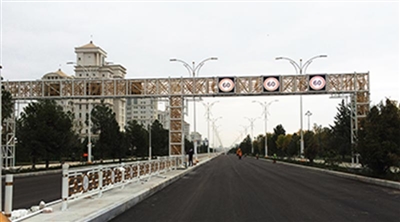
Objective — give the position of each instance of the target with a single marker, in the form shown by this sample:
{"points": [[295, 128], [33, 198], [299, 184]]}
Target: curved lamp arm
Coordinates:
{"points": [[198, 67], [294, 64], [306, 64], [187, 66]]}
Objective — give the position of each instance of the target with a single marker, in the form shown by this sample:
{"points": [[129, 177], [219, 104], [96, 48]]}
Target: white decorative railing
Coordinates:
{"points": [[90, 181]]}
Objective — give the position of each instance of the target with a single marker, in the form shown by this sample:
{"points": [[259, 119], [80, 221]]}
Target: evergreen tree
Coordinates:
{"points": [[341, 131], [245, 145], [159, 138], [278, 130], [282, 143], [6, 104], [109, 143], [44, 131], [294, 146], [137, 138], [379, 138], [310, 146]]}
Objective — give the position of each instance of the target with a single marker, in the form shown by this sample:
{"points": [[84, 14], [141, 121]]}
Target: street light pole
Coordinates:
{"points": [[89, 145], [299, 70], [208, 106], [251, 125], [265, 105], [213, 125], [192, 71], [308, 114]]}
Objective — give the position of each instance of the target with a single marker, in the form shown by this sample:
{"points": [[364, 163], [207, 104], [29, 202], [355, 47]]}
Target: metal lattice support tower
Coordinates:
{"points": [[176, 136], [8, 145]]}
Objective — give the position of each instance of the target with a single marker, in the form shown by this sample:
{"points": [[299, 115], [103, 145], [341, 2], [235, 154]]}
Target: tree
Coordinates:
{"points": [[109, 143], [45, 132], [259, 145], [245, 145], [310, 146], [293, 147], [159, 138], [341, 131], [136, 137], [278, 130], [282, 143], [325, 141], [6, 104], [379, 137]]}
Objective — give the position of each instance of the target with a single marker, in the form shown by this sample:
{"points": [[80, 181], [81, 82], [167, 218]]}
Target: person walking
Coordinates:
{"points": [[239, 153], [190, 153]]}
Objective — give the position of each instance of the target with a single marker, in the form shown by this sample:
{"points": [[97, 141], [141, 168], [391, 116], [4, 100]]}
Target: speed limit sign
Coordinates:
{"points": [[226, 85]]}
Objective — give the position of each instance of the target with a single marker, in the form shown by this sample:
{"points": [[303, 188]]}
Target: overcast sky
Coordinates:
{"points": [[39, 37]]}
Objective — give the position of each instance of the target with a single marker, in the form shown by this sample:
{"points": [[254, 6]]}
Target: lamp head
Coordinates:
{"points": [[213, 58], [172, 60], [277, 58], [71, 63]]}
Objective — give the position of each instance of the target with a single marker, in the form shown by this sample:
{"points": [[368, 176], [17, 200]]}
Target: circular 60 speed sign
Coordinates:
{"points": [[271, 84], [317, 82], [226, 85]]}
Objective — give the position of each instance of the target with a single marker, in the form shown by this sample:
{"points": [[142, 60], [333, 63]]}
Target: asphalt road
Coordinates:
{"points": [[228, 189], [30, 190]]}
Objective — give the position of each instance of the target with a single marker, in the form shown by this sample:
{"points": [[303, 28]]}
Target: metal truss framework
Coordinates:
{"points": [[175, 89]]}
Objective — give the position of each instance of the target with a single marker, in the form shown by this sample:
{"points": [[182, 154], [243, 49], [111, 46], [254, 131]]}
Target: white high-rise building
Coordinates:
{"points": [[91, 64], [143, 110]]}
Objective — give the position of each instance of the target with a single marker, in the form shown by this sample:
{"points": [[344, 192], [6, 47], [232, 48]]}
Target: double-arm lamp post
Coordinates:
{"points": [[208, 107], [251, 126], [300, 69], [192, 71], [265, 105]]}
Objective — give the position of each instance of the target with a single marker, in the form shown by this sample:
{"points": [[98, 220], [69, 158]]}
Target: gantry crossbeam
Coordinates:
{"points": [[356, 84]]}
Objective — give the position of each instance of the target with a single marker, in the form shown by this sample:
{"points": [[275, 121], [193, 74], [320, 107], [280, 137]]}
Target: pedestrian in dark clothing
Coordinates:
{"points": [[190, 153]]}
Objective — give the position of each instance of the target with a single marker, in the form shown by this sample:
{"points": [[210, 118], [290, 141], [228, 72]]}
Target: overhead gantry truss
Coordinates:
{"points": [[356, 84]]}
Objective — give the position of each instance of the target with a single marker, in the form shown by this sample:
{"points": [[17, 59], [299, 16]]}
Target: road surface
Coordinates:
{"points": [[228, 189], [30, 190]]}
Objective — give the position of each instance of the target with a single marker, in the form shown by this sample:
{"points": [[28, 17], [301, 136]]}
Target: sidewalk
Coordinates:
{"points": [[112, 202]]}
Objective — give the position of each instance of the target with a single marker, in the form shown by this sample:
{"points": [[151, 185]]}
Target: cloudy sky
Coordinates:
{"points": [[38, 37]]}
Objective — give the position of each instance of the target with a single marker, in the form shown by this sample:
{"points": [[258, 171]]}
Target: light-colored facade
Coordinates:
{"points": [[143, 110], [91, 64]]}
